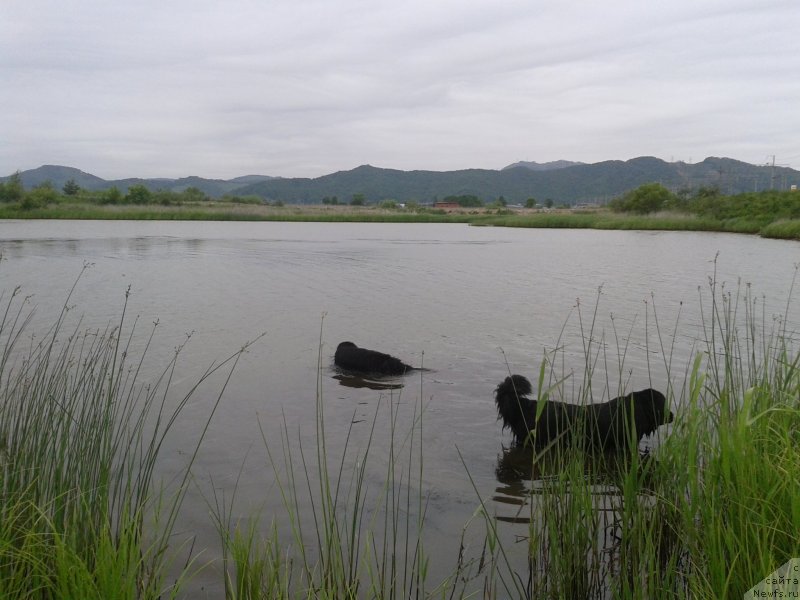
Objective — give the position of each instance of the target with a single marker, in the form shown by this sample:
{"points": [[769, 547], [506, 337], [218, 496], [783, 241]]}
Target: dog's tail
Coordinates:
{"points": [[511, 400]]}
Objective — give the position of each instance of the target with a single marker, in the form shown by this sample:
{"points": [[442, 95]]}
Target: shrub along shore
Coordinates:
{"points": [[772, 214]]}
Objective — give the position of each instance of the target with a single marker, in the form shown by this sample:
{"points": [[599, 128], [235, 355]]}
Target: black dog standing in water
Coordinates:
{"points": [[352, 358], [606, 425]]}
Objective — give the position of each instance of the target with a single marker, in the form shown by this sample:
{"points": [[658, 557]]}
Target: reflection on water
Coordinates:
{"points": [[524, 472], [359, 381], [581, 517]]}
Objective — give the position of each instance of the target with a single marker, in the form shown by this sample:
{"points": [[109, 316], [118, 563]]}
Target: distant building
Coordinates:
{"points": [[446, 205]]}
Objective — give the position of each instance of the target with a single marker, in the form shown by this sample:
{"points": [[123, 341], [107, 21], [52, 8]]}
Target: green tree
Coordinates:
{"points": [[12, 190], [39, 197], [71, 188], [530, 203], [358, 200], [138, 194], [647, 198], [549, 203], [111, 196], [166, 197], [194, 194]]}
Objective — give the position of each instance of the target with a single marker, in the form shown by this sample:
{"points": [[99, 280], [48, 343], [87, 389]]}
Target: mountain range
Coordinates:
{"points": [[561, 181]]}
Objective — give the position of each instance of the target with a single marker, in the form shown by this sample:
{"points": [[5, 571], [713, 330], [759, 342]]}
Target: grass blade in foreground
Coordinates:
{"points": [[79, 439]]}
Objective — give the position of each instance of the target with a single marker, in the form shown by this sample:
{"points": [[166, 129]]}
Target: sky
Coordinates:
{"points": [[303, 88]]}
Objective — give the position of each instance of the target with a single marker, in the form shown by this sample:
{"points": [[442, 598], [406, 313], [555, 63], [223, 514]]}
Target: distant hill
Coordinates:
{"points": [[579, 183], [58, 176], [244, 179], [548, 166], [561, 181]]}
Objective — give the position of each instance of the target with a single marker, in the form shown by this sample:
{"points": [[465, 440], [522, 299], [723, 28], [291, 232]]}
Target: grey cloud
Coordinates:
{"points": [[301, 88]]}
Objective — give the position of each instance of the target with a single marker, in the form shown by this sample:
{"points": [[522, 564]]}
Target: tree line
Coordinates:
{"points": [[706, 201], [13, 191], [766, 205]]}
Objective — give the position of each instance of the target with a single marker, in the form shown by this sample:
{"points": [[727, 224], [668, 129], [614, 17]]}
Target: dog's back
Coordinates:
{"points": [[352, 358], [601, 426], [627, 419]]}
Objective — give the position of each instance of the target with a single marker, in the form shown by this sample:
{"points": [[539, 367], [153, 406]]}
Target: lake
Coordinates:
{"points": [[468, 303]]}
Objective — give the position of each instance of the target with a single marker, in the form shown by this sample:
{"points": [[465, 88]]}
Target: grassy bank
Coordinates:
{"points": [[209, 211], [651, 206], [663, 221], [556, 219], [709, 513]]}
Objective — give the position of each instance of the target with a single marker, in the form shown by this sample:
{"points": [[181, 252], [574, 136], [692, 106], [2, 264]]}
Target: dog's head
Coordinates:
{"points": [[511, 400], [650, 411], [345, 345], [517, 384]]}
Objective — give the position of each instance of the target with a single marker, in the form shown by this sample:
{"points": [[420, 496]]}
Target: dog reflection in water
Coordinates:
{"points": [[522, 471], [358, 381]]}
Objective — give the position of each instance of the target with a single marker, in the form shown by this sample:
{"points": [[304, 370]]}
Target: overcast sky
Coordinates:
{"points": [[300, 88]]}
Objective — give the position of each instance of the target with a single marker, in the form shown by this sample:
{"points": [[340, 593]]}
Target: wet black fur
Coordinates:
{"points": [[605, 426], [352, 358]]}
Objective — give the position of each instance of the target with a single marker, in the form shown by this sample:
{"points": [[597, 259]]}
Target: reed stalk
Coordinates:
{"points": [[80, 434]]}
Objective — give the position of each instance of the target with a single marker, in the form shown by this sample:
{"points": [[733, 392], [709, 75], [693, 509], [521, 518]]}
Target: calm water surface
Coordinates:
{"points": [[470, 303]]}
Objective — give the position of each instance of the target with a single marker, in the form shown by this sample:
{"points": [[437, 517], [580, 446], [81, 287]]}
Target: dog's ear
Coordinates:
{"points": [[520, 385]]}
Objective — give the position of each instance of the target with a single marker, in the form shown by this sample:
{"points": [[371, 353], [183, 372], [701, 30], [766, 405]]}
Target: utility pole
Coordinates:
{"points": [[772, 174]]}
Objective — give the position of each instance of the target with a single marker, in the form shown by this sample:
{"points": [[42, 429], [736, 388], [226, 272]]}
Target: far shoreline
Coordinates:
{"points": [[561, 218]]}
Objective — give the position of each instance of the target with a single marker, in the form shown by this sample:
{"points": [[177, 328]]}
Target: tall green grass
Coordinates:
{"points": [[228, 212], [714, 509], [81, 515], [785, 229], [603, 219]]}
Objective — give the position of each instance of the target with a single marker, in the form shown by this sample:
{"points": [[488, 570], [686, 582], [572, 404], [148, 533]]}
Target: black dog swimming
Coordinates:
{"points": [[605, 426], [352, 358]]}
